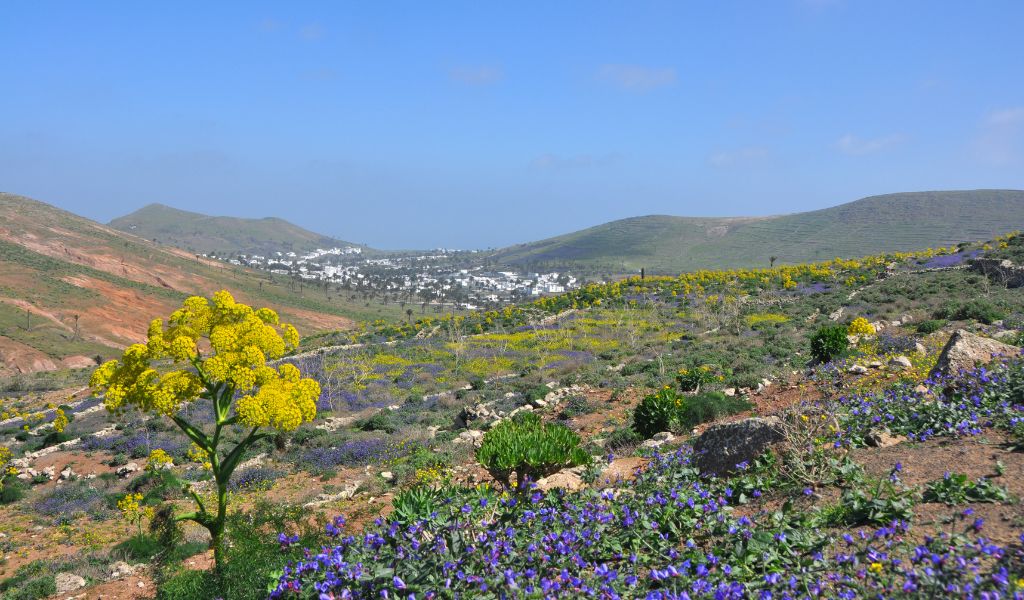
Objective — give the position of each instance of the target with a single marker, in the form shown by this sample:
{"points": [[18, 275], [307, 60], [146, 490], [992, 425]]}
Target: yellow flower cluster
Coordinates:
{"points": [[198, 455], [159, 459], [860, 326], [133, 511], [283, 402], [60, 421], [6, 468], [431, 475], [242, 340]]}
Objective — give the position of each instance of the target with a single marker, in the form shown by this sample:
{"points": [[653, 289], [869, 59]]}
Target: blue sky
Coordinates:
{"points": [[480, 124]]}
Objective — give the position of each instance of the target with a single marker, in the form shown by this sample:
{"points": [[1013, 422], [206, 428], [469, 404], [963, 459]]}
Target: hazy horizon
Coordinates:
{"points": [[470, 127]]}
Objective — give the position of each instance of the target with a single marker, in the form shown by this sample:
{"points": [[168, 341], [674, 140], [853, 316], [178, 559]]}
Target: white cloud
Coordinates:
{"points": [[476, 75], [637, 78], [1007, 116], [856, 146], [1000, 142], [741, 156]]}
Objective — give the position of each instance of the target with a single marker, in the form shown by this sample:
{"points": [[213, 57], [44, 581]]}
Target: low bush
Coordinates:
{"points": [[11, 492], [829, 343], [656, 412], [71, 500], [530, 448], [258, 477], [691, 380], [382, 421], [977, 309], [576, 406], [896, 344], [622, 437], [931, 326], [708, 406]]}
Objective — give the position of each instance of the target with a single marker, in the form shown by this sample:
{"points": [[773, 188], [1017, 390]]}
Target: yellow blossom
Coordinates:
{"points": [[60, 421]]}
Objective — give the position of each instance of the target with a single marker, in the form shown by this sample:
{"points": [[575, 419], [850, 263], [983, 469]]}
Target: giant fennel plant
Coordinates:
{"points": [[215, 350]]}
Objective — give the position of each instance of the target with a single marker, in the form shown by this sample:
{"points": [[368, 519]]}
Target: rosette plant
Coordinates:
{"points": [[214, 350], [530, 448]]}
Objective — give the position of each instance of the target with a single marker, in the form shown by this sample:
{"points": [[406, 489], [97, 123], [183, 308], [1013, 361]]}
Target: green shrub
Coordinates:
{"points": [[12, 492], [33, 589], [622, 437], [829, 343], [656, 412], [709, 406], [976, 309], [576, 406], [382, 421], [926, 327], [691, 380], [530, 448]]}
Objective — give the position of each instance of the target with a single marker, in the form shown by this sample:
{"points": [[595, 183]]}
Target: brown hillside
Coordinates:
{"points": [[55, 265]]}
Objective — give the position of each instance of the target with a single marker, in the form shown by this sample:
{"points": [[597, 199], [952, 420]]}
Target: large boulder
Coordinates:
{"points": [[719, 449], [966, 350]]}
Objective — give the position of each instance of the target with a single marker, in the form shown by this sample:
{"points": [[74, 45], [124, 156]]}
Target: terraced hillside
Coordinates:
{"points": [[669, 245], [72, 289], [197, 232]]}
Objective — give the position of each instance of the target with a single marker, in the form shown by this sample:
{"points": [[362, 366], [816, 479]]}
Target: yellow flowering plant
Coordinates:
{"points": [[860, 326], [134, 511], [220, 349], [6, 468], [159, 460], [60, 421]]}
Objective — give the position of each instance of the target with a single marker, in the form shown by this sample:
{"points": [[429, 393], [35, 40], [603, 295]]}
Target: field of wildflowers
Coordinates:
{"points": [[809, 522]]}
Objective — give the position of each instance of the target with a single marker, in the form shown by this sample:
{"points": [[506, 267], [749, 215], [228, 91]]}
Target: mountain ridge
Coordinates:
{"points": [[672, 244], [202, 233]]}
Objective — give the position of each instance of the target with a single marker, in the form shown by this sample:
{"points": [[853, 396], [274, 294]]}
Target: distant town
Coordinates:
{"points": [[440, 277]]}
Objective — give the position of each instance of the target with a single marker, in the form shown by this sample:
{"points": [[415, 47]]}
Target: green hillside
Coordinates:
{"points": [[202, 233], [892, 222]]}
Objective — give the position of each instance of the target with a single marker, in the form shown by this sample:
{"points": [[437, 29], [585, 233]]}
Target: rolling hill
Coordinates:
{"points": [[669, 245], [72, 289], [200, 233]]}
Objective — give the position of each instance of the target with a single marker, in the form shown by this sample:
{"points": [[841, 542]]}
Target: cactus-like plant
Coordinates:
{"points": [[529, 448]]}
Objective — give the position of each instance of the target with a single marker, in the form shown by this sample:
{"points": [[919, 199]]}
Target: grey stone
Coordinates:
{"points": [[966, 350], [900, 362], [68, 582], [858, 369], [883, 439], [719, 449], [127, 470], [565, 480]]}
